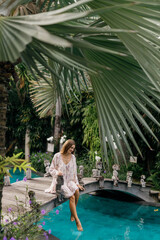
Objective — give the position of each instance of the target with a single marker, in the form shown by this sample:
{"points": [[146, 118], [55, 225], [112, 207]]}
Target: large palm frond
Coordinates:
{"points": [[128, 91], [122, 95], [45, 94], [145, 43], [122, 89]]}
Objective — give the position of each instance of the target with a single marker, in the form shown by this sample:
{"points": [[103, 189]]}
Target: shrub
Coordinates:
{"points": [[26, 225], [37, 160], [87, 164], [137, 170], [22, 114], [155, 180], [91, 129], [19, 150]]}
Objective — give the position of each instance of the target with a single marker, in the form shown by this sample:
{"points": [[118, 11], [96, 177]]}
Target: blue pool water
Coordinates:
{"points": [[19, 175], [105, 219]]}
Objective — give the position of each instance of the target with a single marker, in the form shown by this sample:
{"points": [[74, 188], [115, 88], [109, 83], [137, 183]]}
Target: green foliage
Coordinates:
{"points": [[155, 180], [21, 114], [157, 165], [37, 160], [137, 170], [149, 155], [149, 164], [18, 150], [15, 162], [122, 173], [81, 124], [25, 226], [84, 160], [71, 121], [91, 129], [107, 174]]}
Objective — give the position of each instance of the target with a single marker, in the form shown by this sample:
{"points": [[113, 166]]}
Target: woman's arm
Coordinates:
{"points": [[76, 178]]}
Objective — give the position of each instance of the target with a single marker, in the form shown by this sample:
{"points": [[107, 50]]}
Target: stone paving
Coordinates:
{"points": [[18, 189], [38, 185], [48, 201]]}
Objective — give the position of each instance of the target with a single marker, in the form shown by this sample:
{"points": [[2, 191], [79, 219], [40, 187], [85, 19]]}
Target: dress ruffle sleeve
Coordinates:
{"points": [[75, 171], [53, 170]]}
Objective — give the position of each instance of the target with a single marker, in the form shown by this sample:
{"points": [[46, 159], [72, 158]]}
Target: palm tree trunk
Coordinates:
{"points": [[5, 73]]}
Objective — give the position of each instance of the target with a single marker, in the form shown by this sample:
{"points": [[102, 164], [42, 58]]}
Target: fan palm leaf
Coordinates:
{"points": [[120, 50], [45, 94]]}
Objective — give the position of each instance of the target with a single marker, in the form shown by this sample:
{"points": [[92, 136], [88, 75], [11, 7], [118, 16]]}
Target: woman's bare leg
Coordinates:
{"points": [[76, 201], [76, 196], [72, 206]]}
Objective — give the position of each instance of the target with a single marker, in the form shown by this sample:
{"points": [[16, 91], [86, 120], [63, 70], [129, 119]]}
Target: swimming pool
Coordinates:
{"points": [[18, 176], [105, 219]]}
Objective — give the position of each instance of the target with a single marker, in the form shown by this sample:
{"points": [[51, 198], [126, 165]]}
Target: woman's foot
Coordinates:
{"points": [[79, 226], [72, 219]]}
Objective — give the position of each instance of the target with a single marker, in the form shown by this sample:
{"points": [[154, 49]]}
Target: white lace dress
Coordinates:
{"points": [[69, 175]]}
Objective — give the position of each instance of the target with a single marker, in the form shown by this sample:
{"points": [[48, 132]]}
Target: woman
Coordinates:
{"points": [[64, 163]]}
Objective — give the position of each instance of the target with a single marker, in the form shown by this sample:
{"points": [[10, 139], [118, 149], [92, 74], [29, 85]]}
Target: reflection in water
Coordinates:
{"points": [[141, 223], [78, 234], [126, 234]]}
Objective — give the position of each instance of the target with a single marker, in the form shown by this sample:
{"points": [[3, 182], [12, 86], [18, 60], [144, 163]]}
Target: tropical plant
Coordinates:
{"points": [[46, 97], [117, 42], [91, 129], [15, 161], [37, 160], [5, 163], [122, 90], [149, 158], [26, 224], [137, 169], [154, 179], [21, 114], [83, 159], [154, 175], [72, 118]]}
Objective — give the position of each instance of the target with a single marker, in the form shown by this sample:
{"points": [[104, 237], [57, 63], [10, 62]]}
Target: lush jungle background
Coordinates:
{"points": [[87, 69], [79, 121]]}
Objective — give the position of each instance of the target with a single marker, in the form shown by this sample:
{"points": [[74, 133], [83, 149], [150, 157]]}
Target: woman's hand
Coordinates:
{"points": [[60, 173], [81, 188]]}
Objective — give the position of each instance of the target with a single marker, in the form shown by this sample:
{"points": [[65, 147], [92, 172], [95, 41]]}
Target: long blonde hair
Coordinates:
{"points": [[69, 143]]}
